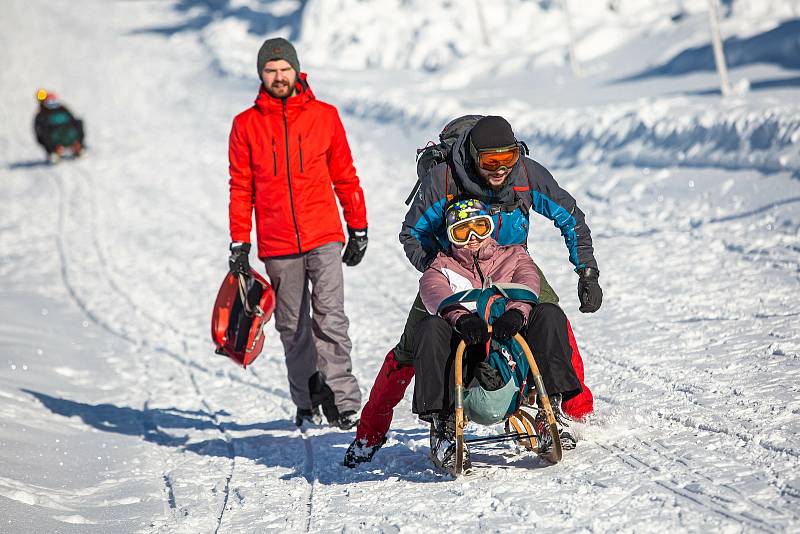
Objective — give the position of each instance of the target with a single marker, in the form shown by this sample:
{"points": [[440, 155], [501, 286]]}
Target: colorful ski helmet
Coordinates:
{"points": [[467, 217], [45, 97]]}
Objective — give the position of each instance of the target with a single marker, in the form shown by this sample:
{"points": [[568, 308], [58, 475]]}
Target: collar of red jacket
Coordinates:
{"points": [[269, 104], [464, 256]]}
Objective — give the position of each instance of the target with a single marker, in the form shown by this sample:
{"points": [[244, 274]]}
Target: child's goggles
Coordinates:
{"points": [[481, 226], [494, 159]]}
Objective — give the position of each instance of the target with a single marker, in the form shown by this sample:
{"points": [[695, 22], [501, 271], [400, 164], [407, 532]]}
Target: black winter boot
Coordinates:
{"points": [[443, 442], [359, 452], [307, 416]]}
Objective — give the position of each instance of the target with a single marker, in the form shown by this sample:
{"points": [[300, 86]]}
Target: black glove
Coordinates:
{"points": [[238, 261], [473, 329], [508, 324], [589, 292], [356, 247]]}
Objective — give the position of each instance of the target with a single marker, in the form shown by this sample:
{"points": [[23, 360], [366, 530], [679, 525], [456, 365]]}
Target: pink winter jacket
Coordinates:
{"points": [[456, 271]]}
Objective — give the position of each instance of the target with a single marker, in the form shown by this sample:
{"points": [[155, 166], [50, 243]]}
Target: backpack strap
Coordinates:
{"points": [[447, 183], [508, 207]]}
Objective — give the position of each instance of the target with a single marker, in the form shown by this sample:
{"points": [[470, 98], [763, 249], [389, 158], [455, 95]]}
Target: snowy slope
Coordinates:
{"points": [[116, 415]]}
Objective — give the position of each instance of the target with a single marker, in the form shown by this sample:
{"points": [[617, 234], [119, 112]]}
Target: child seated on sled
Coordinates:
{"points": [[475, 260], [57, 130]]}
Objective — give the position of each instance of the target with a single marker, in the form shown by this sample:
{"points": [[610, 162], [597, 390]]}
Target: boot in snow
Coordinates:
{"points": [[307, 416], [359, 452], [345, 421], [443, 442], [568, 440], [322, 395]]}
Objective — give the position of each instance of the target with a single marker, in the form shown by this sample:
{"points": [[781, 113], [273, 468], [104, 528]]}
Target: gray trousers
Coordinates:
{"points": [[312, 324]]}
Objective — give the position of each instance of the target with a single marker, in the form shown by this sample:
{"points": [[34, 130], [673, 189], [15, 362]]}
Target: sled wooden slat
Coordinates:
{"points": [[523, 424], [555, 447], [458, 468]]}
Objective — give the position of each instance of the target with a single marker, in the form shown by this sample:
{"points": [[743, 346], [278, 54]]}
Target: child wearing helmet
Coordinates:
{"points": [[476, 260], [57, 130]]}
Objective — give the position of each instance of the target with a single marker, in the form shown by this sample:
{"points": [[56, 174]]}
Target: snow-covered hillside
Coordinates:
{"points": [[116, 416]]}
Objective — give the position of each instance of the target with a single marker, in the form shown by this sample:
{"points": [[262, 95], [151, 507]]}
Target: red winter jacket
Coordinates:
{"points": [[288, 158]]}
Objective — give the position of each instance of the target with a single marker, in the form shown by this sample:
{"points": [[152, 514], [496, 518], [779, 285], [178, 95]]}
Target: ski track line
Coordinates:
{"points": [[311, 478], [169, 504], [108, 268], [188, 365], [692, 471], [646, 377], [139, 344], [665, 453], [701, 501]]}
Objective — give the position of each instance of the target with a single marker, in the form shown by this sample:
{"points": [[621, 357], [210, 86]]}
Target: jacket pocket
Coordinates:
{"points": [[300, 145], [274, 158]]}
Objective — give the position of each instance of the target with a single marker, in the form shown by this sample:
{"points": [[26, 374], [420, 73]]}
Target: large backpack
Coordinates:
{"points": [[433, 154]]}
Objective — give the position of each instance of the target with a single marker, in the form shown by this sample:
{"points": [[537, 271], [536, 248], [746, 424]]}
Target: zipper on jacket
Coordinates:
{"points": [[478, 267], [289, 177], [274, 158], [300, 144]]}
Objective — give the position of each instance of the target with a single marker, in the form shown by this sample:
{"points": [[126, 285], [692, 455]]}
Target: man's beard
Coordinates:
{"points": [[280, 90], [499, 186]]}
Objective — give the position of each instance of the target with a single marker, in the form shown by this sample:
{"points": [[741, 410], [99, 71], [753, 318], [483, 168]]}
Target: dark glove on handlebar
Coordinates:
{"points": [[473, 329], [356, 247], [508, 324], [589, 292], [238, 262]]}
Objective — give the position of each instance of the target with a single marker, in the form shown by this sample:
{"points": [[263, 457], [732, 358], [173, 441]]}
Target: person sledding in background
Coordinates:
{"points": [[56, 128], [486, 162], [473, 261]]}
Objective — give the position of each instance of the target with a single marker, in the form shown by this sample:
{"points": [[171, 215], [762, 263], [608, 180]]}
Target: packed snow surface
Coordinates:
{"points": [[116, 416]]}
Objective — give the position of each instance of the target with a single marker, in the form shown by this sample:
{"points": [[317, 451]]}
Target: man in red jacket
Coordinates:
{"points": [[290, 161]]}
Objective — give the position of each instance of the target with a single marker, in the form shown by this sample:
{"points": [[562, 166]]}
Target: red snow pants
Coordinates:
{"points": [[393, 379]]}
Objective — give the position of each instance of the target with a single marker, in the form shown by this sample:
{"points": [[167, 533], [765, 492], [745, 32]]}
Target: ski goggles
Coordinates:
{"points": [[480, 226], [495, 159]]}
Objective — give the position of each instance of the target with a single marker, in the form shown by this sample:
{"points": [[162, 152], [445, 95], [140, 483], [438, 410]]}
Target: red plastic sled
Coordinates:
{"points": [[244, 305]]}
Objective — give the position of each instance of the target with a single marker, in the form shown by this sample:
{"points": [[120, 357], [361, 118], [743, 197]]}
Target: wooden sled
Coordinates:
{"points": [[522, 422]]}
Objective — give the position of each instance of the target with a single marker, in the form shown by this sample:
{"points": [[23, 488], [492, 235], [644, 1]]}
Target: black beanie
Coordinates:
{"points": [[277, 48], [492, 132]]}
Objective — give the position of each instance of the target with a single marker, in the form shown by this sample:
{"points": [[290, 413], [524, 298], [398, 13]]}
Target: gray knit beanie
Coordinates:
{"points": [[277, 48]]}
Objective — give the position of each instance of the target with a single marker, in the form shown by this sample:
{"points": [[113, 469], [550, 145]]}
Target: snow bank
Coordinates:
{"points": [[436, 35], [443, 47], [663, 132]]}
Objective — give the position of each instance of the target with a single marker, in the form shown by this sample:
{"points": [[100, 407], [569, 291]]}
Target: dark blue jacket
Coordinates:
{"points": [[529, 186]]}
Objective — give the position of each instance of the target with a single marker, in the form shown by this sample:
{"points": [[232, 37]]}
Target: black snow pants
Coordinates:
{"points": [[434, 349]]}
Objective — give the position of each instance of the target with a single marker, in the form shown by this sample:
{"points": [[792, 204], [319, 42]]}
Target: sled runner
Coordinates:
{"points": [[512, 403], [244, 305]]}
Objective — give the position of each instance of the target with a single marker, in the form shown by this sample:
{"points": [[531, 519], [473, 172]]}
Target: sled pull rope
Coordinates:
{"points": [[243, 295]]}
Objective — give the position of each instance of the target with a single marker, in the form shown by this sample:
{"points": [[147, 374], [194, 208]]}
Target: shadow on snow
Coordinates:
{"points": [[273, 447], [779, 46], [270, 16]]}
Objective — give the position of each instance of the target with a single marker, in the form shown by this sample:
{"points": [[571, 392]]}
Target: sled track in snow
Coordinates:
{"points": [[696, 499], [647, 377], [692, 474], [659, 377], [311, 478], [169, 506], [665, 454], [188, 365], [119, 333]]}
